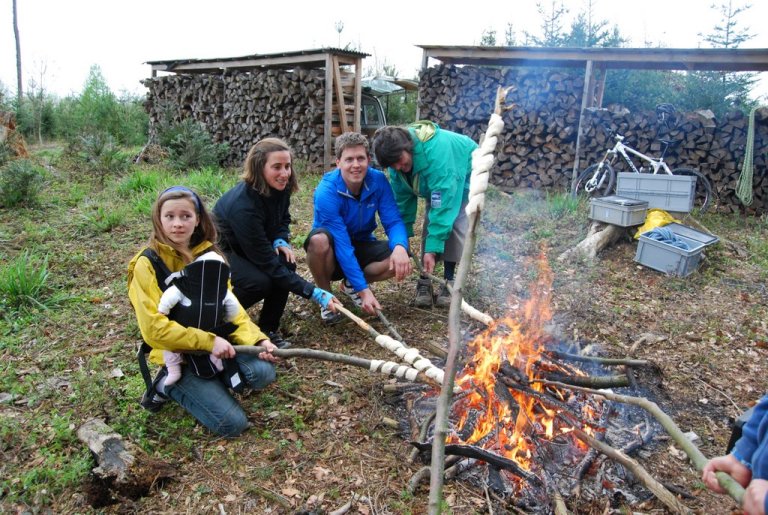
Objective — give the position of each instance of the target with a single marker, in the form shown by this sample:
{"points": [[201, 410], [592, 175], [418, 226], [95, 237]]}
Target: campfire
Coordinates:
{"points": [[512, 430]]}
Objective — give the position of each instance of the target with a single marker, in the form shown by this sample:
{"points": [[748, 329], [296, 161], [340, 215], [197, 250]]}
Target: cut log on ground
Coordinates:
{"points": [[124, 471], [600, 236]]}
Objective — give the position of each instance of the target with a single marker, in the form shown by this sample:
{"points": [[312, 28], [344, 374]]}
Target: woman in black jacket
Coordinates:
{"points": [[253, 222]]}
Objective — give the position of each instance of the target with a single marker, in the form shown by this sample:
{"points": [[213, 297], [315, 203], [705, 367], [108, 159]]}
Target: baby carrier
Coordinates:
{"points": [[204, 283]]}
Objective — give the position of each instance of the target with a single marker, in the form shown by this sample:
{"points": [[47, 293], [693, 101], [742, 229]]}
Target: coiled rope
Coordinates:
{"points": [[744, 187]]}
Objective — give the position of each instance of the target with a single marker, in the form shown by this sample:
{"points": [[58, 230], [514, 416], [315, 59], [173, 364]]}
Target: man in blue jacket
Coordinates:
{"points": [[748, 462], [341, 244]]}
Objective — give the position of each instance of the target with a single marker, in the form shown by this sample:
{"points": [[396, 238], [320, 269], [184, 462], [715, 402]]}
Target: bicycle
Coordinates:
{"points": [[599, 180]]}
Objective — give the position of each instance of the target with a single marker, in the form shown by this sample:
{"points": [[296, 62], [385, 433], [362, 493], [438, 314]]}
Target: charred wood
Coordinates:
{"points": [[469, 451]]}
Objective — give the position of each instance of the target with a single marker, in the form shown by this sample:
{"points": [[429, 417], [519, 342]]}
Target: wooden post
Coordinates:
{"points": [[328, 117], [584, 102], [358, 93]]}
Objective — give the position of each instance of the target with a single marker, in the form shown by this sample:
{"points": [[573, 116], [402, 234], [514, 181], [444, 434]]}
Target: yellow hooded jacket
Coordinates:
{"points": [[162, 333]]}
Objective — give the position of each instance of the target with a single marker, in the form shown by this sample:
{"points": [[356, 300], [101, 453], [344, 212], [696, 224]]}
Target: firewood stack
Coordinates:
{"points": [[240, 108], [538, 145]]}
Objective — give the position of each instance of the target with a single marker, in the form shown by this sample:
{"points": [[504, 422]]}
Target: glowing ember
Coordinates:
{"points": [[491, 420]]}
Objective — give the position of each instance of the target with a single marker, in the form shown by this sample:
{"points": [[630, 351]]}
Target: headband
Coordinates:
{"points": [[184, 189]]}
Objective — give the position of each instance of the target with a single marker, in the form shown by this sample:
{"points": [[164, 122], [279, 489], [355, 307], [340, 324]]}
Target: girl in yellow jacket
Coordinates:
{"points": [[182, 230]]}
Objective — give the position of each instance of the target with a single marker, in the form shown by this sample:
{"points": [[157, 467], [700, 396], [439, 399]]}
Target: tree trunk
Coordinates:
{"points": [[18, 54]]}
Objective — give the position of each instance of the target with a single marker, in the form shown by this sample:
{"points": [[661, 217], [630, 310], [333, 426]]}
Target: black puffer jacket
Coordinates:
{"points": [[248, 223]]}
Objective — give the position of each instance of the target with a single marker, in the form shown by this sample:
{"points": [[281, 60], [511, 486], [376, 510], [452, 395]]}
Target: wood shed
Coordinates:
{"points": [[555, 129], [305, 97]]}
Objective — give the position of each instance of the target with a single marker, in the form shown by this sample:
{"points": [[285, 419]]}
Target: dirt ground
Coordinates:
{"points": [[706, 333], [322, 438]]}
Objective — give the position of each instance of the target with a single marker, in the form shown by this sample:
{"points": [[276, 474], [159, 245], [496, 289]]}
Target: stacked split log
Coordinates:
{"points": [[539, 142], [239, 108]]}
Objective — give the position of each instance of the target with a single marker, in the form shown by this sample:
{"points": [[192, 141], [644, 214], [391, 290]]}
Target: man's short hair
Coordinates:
{"points": [[349, 140], [389, 143]]}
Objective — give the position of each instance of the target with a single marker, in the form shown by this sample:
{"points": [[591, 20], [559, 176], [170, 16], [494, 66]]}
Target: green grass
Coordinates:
{"points": [[24, 283]]}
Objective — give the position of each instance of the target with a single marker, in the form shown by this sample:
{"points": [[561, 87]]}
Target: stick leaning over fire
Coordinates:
{"points": [[694, 454], [471, 311], [482, 161]]}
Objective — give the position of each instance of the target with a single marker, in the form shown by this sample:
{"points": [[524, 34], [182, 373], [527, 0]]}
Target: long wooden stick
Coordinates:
{"points": [[659, 490], [482, 160], [374, 365], [698, 459], [390, 327]]}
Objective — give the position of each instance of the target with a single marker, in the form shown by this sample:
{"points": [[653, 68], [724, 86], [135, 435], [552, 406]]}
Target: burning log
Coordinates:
{"points": [[603, 361], [374, 365], [471, 451], [591, 381]]}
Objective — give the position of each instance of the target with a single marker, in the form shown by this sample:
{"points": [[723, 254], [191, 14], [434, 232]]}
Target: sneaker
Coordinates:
{"points": [[423, 293], [153, 400], [277, 338], [443, 299], [350, 292], [329, 317]]}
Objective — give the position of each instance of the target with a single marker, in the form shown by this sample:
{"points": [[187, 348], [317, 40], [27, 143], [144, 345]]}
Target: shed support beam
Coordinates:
{"points": [[586, 97]]}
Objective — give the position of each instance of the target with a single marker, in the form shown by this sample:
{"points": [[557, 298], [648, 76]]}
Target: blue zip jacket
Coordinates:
{"points": [[752, 447], [348, 219]]}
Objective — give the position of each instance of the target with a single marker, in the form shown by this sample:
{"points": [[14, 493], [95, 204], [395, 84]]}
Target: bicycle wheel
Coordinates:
{"points": [[703, 193], [596, 181]]}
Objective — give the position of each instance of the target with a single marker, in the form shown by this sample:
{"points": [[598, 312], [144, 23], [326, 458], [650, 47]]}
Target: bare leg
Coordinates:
{"points": [[378, 271], [320, 260]]}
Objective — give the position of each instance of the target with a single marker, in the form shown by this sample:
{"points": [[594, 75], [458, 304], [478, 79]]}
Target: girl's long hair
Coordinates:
{"points": [[205, 230], [253, 170]]}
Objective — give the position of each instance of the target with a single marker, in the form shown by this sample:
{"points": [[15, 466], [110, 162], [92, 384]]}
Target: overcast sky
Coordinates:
{"points": [[66, 37]]}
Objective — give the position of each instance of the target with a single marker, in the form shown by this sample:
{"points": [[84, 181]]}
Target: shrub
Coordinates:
{"points": [[189, 145], [101, 155], [20, 182], [5, 152], [23, 281]]}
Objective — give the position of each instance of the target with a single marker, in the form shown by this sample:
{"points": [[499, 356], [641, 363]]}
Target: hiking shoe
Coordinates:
{"points": [[423, 293], [443, 299], [329, 317], [277, 338], [350, 292]]}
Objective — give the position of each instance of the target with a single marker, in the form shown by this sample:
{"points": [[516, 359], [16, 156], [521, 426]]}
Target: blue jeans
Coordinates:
{"points": [[212, 404]]}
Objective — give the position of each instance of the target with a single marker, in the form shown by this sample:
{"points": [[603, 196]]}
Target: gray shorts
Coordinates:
{"points": [[454, 245]]}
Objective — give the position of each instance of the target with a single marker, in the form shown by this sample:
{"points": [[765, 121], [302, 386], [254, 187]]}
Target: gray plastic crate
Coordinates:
{"points": [[668, 192], [670, 259], [621, 211]]}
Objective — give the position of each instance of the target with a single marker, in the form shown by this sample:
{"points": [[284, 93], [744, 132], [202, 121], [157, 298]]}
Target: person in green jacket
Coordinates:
{"points": [[435, 164]]}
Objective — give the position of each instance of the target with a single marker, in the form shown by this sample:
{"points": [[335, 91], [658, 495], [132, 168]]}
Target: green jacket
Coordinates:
{"points": [[442, 164]]}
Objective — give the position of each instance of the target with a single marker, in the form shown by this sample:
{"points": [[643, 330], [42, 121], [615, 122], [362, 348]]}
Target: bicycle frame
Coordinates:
{"points": [[623, 150]]}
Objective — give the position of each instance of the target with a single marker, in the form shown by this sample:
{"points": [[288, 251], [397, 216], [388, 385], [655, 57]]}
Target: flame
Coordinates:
{"points": [[489, 419]]}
